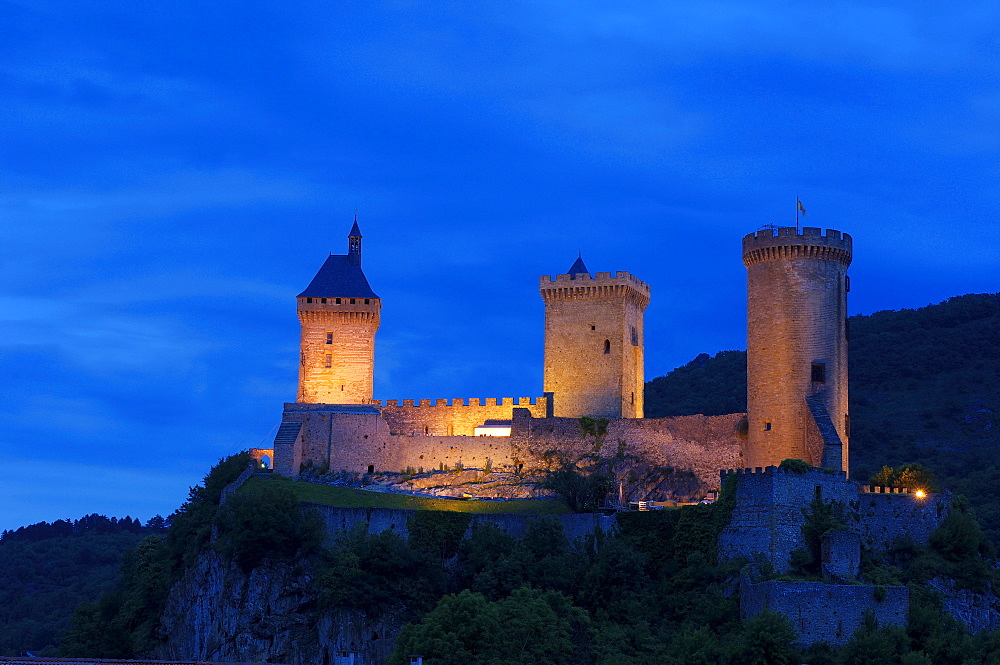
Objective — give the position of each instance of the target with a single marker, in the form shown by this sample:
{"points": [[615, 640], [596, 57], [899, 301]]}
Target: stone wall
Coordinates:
{"points": [[700, 444], [769, 513], [884, 518], [825, 612], [359, 438], [455, 417], [377, 520]]}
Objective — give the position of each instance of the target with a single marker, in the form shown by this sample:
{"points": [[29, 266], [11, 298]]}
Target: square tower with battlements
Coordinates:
{"points": [[594, 343]]}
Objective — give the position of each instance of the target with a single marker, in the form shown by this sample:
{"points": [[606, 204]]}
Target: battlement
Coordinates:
{"points": [[788, 242], [583, 286], [597, 279], [776, 470], [460, 401]]}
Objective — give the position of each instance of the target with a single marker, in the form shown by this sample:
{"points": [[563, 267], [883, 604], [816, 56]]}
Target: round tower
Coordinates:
{"points": [[339, 314], [797, 288], [594, 343]]}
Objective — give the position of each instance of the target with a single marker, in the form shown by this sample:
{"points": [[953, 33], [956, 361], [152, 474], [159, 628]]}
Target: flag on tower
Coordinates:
{"points": [[801, 208]]}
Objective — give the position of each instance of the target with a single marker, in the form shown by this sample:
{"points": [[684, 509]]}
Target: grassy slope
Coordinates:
{"points": [[347, 497]]}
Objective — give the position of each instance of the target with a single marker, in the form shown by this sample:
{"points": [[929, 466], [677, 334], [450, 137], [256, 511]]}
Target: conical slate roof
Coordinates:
{"points": [[355, 230], [578, 267]]}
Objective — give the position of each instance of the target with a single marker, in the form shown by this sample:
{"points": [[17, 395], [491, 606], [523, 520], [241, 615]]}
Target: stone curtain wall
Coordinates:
{"points": [[825, 612], [457, 417], [354, 441], [701, 444]]}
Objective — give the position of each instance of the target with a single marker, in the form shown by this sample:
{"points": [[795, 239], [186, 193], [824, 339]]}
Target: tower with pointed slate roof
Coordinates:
{"points": [[594, 343], [339, 314]]}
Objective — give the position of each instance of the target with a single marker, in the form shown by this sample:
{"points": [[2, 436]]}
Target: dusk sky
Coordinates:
{"points": [[172, 174]]}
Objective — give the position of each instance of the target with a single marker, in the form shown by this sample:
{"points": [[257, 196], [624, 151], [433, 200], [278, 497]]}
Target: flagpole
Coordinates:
{"points": [[796, 213]]}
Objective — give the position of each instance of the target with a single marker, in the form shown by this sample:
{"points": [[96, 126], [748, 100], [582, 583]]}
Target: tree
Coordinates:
{"points": [[265, 521], [767, 639], [531, 627], [582, 493]]}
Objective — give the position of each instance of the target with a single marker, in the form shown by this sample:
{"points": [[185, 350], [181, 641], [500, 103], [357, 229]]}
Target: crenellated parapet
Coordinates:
{"points": [[788, 242], [775, 470], [460, 401], [584, 286]]}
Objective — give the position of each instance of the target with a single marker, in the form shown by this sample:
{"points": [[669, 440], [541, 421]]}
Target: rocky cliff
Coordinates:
{"points": [[217, 613]]}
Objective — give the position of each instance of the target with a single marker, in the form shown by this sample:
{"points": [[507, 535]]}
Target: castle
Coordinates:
{"points": [[590, 414], [593, 367]]}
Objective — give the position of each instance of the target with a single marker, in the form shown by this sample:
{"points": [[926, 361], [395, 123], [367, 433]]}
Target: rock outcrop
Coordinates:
{"points": [[217, 613]]}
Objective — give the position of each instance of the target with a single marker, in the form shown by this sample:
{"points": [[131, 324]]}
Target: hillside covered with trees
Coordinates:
{"points": [[49, 568], [924, 388]]}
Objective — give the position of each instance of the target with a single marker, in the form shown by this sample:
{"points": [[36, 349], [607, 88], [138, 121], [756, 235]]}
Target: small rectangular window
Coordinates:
{"points": [[309, 299], [329, 338], [352, 301], [819, 372], [323, 300], [366, 301], [328, 362], [847, 284], [847, 425], [767, 425], [593, 327], [635, 337]]}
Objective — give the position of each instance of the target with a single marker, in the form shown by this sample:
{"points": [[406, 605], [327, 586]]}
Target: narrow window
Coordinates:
{"points": [[338, 301], [371, 468], [342, 388], [352, 301], [633, 398], [819, 372], [593, 327], [309, 299], [607, 346], [329, 338], [847, 284], [328, 362], [767, 425], [366, 301], [635, 337], [847, 425], [323, 300]]}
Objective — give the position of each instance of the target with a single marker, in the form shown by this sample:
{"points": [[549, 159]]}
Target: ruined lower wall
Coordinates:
{"points": [[377, 520], [884, 518], [769, 513], [457, 417], [825, 612], [701, 444]]}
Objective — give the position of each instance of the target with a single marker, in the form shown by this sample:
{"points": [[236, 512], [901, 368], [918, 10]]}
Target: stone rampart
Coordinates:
{"points": [[377, 520], [771, 505], [884, 518], [825, 612]]}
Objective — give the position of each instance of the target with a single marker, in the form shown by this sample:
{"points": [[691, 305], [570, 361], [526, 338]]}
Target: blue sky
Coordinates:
{"points": [[172, 174]]}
